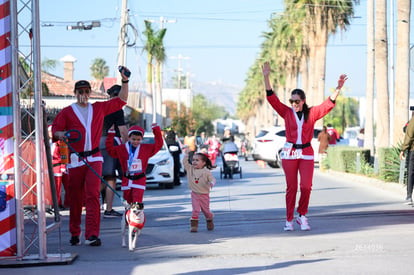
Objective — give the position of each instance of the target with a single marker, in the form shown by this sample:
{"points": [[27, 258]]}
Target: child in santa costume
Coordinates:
{"points": [[200, 181], [134, 156], [297, 155]]}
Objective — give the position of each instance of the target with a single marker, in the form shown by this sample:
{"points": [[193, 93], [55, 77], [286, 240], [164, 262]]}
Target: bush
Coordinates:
{"points": [[389, 164], [344, 158]]}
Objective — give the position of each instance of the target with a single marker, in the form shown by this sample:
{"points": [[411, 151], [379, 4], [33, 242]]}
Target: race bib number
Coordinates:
{"points": [[287, 148], [136, 166]]}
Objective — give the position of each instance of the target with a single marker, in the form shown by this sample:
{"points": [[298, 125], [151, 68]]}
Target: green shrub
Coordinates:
{"points": [[389, 164], [344, 158]]}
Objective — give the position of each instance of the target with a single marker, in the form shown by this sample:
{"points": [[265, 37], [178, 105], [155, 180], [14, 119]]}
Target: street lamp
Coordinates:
{"points": [[82, 26]]}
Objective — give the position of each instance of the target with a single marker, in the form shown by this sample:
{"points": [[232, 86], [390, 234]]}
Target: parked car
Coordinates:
{"points": [[160, 169], [269, 142]]}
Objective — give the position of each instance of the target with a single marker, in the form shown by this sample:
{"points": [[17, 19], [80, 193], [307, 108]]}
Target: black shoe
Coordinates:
{"points": [[93, 241], [75, 240], [111, 214]]}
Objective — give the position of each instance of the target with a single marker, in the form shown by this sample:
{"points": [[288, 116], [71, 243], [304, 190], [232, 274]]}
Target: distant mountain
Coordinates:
{"points": [[219, 93]]}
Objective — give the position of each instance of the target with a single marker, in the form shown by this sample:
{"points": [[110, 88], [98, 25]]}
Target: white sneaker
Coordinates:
{"points": [[303, 222], [288, 226]]}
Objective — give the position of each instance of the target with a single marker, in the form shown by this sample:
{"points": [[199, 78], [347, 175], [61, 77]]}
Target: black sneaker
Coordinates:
{"points": [[111, 214], [93, 241], [408, 201], [75, 240]]}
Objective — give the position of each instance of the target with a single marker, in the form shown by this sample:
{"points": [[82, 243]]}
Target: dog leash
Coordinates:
{"points": [[69, 140]]}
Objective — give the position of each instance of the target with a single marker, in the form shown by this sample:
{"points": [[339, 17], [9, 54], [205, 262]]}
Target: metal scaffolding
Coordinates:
{"points": [[32, 228]]}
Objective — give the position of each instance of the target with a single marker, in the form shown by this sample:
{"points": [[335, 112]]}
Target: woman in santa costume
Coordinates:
{"points": [[134, 156], [297, 155], [84, 184]]}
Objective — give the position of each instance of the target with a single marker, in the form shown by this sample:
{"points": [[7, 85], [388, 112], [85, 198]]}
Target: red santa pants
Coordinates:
{"points": [[200, 201], [134, 195], [291, 168], [84, 188]]}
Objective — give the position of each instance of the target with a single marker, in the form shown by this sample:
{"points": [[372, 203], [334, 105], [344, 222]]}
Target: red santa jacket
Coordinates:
{"points": [[70, 118], [58, 167], [143, 152], [297, 130]]}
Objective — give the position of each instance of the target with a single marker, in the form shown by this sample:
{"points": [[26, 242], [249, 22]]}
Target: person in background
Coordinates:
{"points": [[408, 145], [213, 148], [110, 165], [298, 156], [134, 156], [87, 119], [323, 138], [334, 135], [175, 150], [227, 142], [200, 181], [190, 142], [201, 142], [360, 138], [59, 170]]}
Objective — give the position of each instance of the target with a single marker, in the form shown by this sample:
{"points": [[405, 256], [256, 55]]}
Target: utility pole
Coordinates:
{"points": [[122, 35], [179, 57]]}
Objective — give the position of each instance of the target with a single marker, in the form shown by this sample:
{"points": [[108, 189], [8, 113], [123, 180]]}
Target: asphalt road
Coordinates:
{"points": [[359, 226]]}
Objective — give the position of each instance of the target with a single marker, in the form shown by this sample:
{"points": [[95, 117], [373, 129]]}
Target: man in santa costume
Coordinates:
{"points": [[84, 182]]}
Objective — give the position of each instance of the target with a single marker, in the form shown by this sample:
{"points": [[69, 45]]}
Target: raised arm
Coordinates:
{"points": [[341, 82], [266, 73], [123, 94]]}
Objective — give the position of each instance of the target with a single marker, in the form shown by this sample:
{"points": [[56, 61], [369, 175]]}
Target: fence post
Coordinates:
{"points": [[358, 162], [402, 172]]}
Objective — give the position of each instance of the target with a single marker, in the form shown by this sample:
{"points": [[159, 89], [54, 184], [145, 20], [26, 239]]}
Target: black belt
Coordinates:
{"points": [[301, 146], [134, 177], [88, 153]]}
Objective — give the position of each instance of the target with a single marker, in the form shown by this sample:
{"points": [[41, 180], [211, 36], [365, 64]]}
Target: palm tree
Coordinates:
{"points": [[149, 47], [48, 64], [402, 70], [99, 69], [381, 72], [160, 56]]}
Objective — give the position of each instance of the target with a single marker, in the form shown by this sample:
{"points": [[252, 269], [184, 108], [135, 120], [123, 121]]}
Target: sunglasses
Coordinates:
{"points": [[85, 90], [296, 101]]}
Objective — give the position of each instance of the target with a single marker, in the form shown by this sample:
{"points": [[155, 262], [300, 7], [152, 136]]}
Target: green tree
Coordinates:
{"points": [[345, 114], [49, 64], [204, 113], [99, 69]]}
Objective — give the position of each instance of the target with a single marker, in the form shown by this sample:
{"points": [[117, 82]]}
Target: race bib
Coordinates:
{"points": [[287, 148], [136, 166]]}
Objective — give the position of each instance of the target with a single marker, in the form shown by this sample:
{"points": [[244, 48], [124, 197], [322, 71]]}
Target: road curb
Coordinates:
{"points": [[394, 187]]}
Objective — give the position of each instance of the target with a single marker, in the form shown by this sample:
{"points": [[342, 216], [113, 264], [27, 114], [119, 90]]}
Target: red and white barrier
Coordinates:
{"points": [[7, 201]]}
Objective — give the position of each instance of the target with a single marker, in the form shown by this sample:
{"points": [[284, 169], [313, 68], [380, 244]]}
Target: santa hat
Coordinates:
{"points": [[136, 129]]}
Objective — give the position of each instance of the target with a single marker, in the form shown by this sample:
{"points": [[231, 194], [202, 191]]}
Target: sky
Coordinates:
{"points": [[220, 39]]}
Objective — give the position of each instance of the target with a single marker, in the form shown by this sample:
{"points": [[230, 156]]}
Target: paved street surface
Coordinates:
{"points": [[359, 226]]}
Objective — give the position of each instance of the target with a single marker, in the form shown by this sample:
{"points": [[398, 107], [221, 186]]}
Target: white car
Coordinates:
{"points": [[160, 169], [268, 145]]}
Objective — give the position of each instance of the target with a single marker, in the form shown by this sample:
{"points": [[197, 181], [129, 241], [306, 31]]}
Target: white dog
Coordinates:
{"points": [[134, 217]]}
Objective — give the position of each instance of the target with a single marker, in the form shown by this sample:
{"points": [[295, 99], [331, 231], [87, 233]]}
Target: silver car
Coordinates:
{"points": [[160, 169], [269, 142]]}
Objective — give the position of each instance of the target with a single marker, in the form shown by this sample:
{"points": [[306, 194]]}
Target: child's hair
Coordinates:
{"points": [[205, 158]]}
